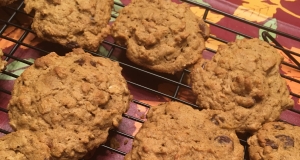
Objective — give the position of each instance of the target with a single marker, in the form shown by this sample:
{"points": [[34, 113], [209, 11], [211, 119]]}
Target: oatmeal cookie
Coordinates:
{"points": [[23, 145], [243, 80], [74, 99], [176, 131], [2, 62], [275, 140], [72, 23], [160, 35], [6, 2]]}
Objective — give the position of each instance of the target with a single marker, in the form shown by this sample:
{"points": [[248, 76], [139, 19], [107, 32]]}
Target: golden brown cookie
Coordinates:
{"points": [[23, 145], [176, 131], [2, 62], [243, 80], [72, 23], [275, 140], [74, 99], [6, 2], [160, 35]]}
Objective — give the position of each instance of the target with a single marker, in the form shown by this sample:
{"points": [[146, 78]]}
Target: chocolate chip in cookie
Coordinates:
{"points": [[275, 140], [70, 100], [176, 131]]}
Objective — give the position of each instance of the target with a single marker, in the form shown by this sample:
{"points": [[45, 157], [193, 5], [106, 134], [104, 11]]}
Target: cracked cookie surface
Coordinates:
{"points": [[176, 131], [243, 80], [160, 35], [73, 99], [275, 140], [72, 23]]}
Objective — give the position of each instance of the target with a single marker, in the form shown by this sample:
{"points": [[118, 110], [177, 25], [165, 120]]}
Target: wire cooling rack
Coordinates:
{"points": [[14, 17]]}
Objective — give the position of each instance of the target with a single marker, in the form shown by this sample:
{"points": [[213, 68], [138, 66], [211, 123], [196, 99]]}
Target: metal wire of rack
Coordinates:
{"points": [[12, 20]]}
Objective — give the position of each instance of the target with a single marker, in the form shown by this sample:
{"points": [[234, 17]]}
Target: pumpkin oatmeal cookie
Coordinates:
{"points": [[244, 82], [73, 100], [160, 35]]}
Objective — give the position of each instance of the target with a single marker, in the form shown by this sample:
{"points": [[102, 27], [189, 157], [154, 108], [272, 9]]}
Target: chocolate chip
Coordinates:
{"points": [[204, 29], [258, 98], [222, 119], [223, 139], [72, 70], [72, 44], [288, 141], [80, 61], [278, 127], [84, 79], [93, 63], [271, 143], [214, 120]]}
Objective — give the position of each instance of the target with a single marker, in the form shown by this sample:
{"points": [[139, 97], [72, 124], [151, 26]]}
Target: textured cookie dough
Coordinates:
{"points": [[177, 131], [71, 23], [275, 140], [243, 80], [2, 62], [23, 145], [160, 35], [74, 99], [6, 2]]}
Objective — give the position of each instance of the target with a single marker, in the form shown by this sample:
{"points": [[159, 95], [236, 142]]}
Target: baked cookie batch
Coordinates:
{"points": [[63, 106]]}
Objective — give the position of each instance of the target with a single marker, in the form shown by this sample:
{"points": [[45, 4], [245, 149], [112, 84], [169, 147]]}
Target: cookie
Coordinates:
{"points": [[160, 35], [275, 140], [6, 2], [72, 23], [74, 99], [2, 62], [23, 145], [243, 80], [176, 131]]}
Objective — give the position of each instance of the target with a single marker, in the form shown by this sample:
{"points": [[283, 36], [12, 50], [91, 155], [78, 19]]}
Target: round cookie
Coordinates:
{"points": [[243, 80], [2, 62], [275, 140], [160, 35], [23, 145], [72, 23], [74, 99], [176, 131], [6, 2]]}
